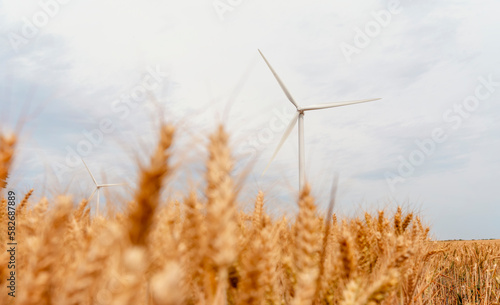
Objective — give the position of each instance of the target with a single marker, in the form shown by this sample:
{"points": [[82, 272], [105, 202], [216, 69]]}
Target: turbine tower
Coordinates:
{"points": [[299, 116], [98, 187]]}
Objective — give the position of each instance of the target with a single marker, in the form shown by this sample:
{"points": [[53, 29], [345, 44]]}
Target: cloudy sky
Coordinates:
{"points": [[92, 78]]}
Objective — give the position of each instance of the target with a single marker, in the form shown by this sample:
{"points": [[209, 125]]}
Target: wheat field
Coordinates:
{"points": [[205, 250]]}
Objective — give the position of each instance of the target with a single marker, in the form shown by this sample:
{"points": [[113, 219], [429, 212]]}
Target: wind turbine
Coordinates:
{"points": [[299, 116], [98, 187]]}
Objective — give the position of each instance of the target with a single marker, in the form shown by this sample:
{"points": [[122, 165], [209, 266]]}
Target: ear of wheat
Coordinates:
{"points": [[7, 146]]}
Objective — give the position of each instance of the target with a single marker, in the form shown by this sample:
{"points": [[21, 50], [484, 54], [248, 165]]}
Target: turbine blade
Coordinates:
{"points": [[113, 184], [283, 139], [95, 182], [337, 104], [282, 85], [91, 196]]}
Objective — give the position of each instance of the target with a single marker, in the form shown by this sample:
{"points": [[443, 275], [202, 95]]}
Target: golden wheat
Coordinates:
{"points": [[205, 250]]}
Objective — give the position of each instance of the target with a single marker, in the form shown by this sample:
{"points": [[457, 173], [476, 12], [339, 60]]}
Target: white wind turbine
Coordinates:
{"points": [[98, 187], [299, 116]]}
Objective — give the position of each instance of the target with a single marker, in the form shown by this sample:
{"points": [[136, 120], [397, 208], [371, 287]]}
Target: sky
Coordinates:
{"points": [[92, 79]]}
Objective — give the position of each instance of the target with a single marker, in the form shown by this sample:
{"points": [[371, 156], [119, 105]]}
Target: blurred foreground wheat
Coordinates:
{"points": [[203, 250]]}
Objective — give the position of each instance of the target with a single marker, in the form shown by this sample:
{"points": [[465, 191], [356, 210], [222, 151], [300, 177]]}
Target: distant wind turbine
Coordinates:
{"points": [[98, 187], [299, 116]]}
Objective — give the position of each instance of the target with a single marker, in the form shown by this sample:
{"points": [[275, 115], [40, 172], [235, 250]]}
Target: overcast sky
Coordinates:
{"points": [[78, 73]]}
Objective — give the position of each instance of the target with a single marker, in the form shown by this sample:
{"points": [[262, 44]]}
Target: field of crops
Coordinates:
{"points": [[204, 250]]}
